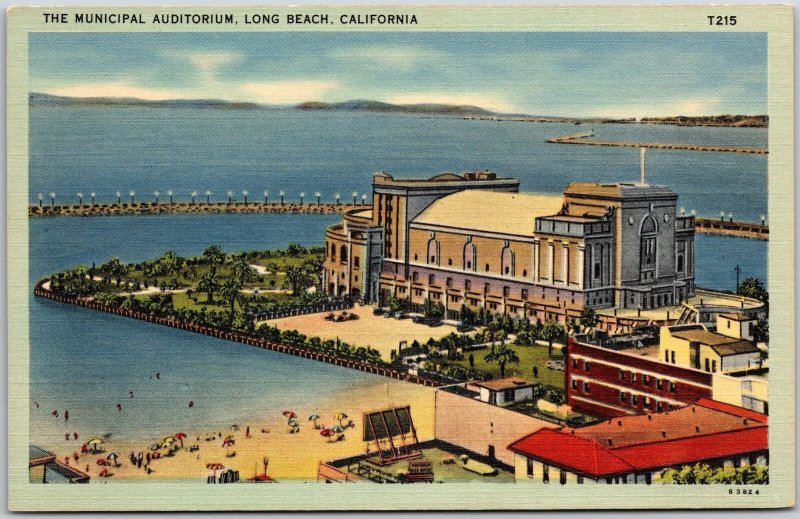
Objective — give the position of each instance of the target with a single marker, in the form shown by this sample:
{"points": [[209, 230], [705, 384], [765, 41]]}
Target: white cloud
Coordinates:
{"points": [[286, 91], [206, 62], [117, 89], [402, 58], [490, 102]]}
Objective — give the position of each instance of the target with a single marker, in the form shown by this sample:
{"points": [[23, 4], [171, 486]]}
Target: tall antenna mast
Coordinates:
{"points": [[641, 161]]}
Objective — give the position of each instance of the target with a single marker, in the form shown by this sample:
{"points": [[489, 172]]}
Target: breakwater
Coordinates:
{"points": [[584, 138], [732, 228], [307, 353], [123, 208]]}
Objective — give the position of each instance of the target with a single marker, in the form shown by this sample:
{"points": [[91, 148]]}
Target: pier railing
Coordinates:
{"points": [[112, 209], [236, 336]]}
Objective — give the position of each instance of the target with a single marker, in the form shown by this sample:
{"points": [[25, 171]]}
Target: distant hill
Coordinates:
{"points": [[379, 106], [741, 121], [366, 105], [40, 99]]}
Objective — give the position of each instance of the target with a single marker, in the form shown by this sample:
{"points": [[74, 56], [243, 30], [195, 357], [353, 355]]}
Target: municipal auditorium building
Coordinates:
{"points": [[473, 239]]}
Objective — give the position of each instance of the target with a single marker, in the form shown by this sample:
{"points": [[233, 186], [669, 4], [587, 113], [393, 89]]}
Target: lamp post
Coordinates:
{"points": [[80, 198], [722, 216], [93, 194], [119, 198], [156, 194], [208, 197], [244, 194], [169, 194], [763, 219], [52, 199], [193, 194], [133, 196], [355, 194], [683, 211], [281, 193], [693, 212], [41, 197], [230, 197], [363, 199], [302, 195], [317, 194], [730, 217], [337, 198], [266, 197]]}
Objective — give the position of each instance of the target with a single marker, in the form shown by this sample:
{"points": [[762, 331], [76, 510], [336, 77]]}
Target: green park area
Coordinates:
{"points": [[530, 357]]}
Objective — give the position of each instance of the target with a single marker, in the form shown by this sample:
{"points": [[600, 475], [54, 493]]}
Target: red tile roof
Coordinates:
{"points": [[566, 450], [578, 450]]}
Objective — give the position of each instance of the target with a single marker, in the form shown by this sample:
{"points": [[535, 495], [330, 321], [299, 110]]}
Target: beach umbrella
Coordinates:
{"points": [[215, 466], [101, 461], [289, 414], [154, 447], [168, 439], [339, 417], [313, 417], [337, 429], [113, 457], [327, 433], [180, 436], [94, 442]]}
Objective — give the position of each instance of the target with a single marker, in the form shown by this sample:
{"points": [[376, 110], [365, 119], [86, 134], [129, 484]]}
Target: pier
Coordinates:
{"points": [[584, 138], [112, 209], [731, 228]]}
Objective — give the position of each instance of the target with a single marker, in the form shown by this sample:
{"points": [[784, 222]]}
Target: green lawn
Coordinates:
{"points": [[529, 356], [181, 300]]}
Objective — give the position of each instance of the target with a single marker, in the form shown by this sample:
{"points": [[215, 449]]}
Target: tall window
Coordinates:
{"points": [[469, 256], [647, 254], [545, 473], [343, 254], [529, 468], [433, 251]]}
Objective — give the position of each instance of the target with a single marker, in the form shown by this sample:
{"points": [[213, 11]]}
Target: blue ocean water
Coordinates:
{"points": [[105, 150], [87, 361]]}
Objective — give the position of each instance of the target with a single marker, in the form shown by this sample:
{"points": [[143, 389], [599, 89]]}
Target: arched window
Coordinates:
{"points": [[648, 249], [433, 252], [507, 261], [469, 256], [333, 251], [343, 254]]}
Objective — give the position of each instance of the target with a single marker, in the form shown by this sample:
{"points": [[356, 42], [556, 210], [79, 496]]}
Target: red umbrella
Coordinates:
{"points": [[289, 414], [326, 432], [102, 462], [180, 436]]}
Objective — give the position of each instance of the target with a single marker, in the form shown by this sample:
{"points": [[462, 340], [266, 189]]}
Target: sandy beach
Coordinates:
{"points": [[292, 456]]}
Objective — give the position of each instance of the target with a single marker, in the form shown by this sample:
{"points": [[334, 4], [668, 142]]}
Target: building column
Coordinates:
{"points": [[550, 262], [565, 263], [536, 260], [581, 266]]}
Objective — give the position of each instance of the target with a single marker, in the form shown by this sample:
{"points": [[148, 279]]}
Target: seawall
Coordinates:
{"points": [[40, 291], [104, 209]]}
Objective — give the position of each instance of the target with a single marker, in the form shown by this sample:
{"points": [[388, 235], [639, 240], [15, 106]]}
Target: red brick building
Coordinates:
{"points": [[605, 382]]}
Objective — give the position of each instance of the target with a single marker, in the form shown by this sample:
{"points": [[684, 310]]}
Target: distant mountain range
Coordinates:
{"points": [[365, 105]]}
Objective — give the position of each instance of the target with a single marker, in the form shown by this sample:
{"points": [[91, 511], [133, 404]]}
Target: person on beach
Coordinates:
{"points": [[55, 413], [74, 436], [75, 456], [247, 431], [119, 407], [158, 375], [36, 404], [66, 436], [84, 449], [191, 403], [66, 415], [131, 392], [66, 460]]}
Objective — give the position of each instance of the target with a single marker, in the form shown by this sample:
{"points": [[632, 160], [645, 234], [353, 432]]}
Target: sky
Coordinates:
{"points": [[560, 74]]}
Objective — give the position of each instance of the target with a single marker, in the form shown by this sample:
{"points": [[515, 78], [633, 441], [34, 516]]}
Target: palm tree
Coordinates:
{"points": [[552, 331], [214, 256], [295, 276], [243, 271], [208, 283], [588, 318], [170, 261], [502, 355], [753, 287], [230, 292]]}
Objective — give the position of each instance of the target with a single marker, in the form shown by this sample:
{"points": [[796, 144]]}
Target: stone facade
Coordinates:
{"points": [[474, 240]]}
